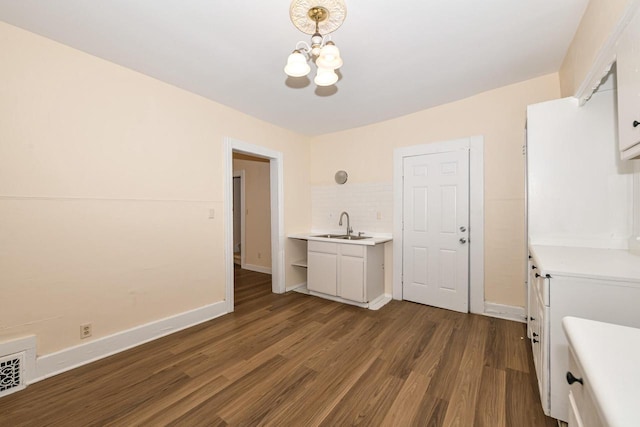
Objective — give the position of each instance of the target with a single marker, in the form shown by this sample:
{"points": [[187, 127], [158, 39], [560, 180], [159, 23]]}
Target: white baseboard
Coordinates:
{"points": [[257, 268], [295, 287], [508, 312], [339, 299], [379, 302], [61, 361], [303, 290]]}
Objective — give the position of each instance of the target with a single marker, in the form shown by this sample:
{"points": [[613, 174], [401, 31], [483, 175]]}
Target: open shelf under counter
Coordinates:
{"points": [[300, 263]]}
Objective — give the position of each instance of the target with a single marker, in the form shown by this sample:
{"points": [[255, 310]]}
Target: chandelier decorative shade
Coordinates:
{"points": [[317, 18]]}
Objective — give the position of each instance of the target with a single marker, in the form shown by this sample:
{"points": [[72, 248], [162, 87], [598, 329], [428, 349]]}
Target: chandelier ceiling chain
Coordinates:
{"points": [[316, 17]]}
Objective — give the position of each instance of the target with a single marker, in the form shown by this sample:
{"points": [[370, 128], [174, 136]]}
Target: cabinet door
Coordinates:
{"points": [[628, 81], [352, 278], [574, 415], [540, 337], [322, 273]]}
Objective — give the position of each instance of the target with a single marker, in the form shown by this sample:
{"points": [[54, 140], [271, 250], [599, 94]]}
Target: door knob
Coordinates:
{"points": [[463, 240], [463, 229], [571, 379]]}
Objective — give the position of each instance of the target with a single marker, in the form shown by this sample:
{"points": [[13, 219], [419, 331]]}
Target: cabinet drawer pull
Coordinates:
{"points": [[535, 341], [532, 318], [571, 379], [533, 267], [537, 275], [535, 335], [636, 123]]}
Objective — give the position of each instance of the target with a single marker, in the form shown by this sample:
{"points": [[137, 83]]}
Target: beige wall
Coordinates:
{"points": [[366, 153], [107, 177], [257, 249], [599, 20]]}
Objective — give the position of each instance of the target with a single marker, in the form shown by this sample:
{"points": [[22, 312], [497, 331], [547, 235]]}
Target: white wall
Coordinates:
{"points": [[107, 180], [370, 207], [600, 19]]}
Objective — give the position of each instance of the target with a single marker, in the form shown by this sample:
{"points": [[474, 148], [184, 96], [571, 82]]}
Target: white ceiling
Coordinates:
{"points": [[399, 56]]}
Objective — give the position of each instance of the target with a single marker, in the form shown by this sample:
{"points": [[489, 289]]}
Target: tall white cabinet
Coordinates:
{"points": [[579, 207]]}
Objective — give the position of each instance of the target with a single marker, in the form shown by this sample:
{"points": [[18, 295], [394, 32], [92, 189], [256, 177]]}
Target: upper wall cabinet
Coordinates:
{"points": [[628, 72]]}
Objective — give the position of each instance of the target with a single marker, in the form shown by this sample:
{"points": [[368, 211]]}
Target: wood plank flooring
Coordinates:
{"points": [[298, 360]]}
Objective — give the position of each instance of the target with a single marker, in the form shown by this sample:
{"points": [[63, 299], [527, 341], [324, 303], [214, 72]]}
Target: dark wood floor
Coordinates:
{"points": [[298, 360]]}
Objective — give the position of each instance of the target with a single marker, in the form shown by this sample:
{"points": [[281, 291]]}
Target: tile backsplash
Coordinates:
{"points": [[370, 207]]}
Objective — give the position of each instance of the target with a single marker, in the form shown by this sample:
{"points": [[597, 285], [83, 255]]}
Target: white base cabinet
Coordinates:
{"points": [[596, 284], [347, 271], [603, 373]]}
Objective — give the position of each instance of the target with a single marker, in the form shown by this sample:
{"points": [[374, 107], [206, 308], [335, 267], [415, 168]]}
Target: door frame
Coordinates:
{"points": [[240, 174], [230, 146], [475, 146]]}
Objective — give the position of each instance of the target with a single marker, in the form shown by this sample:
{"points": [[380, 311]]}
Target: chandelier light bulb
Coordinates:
{"points": [[329, 57], [297, 65], [325, 77]]}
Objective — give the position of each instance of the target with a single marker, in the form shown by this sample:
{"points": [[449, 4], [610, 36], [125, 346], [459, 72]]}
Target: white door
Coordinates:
{"points": [[436, 228]]}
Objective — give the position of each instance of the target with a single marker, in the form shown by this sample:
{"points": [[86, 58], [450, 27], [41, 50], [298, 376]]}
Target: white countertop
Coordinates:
{"points": [[374, 240], [609, 356], [608, 264]]}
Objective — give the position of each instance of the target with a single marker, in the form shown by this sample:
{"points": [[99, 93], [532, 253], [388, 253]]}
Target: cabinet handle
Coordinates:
{"points": [[532, 318], [533, 267], [571, 379], [535, 341], [537, 275], [636, 123], [535, 335]]}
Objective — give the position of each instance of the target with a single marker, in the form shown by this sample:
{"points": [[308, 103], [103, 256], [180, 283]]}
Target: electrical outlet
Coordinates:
{"points": [[85, 330]]}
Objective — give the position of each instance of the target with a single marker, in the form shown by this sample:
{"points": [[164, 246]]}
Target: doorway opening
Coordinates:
{"points": [[238, 217], [274, 208], [251, 213]]}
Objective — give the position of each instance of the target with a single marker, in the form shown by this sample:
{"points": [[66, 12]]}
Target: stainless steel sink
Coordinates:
{"points": [[353, 237], [341, 236]]}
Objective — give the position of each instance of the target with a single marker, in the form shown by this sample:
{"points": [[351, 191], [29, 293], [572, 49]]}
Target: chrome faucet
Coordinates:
{"points": [[349, 229]]}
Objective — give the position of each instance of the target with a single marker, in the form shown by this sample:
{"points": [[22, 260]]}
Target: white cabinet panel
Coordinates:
{"points": [[322, 273], [578, 194], [628, 80], [352, 278]]}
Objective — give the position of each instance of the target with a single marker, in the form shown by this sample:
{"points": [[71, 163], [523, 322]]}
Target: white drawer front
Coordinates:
{"points": [[325, 247], [352, 250]]}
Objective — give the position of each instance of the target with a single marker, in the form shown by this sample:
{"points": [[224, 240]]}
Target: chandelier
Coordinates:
{"points": [[316, 17]]}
